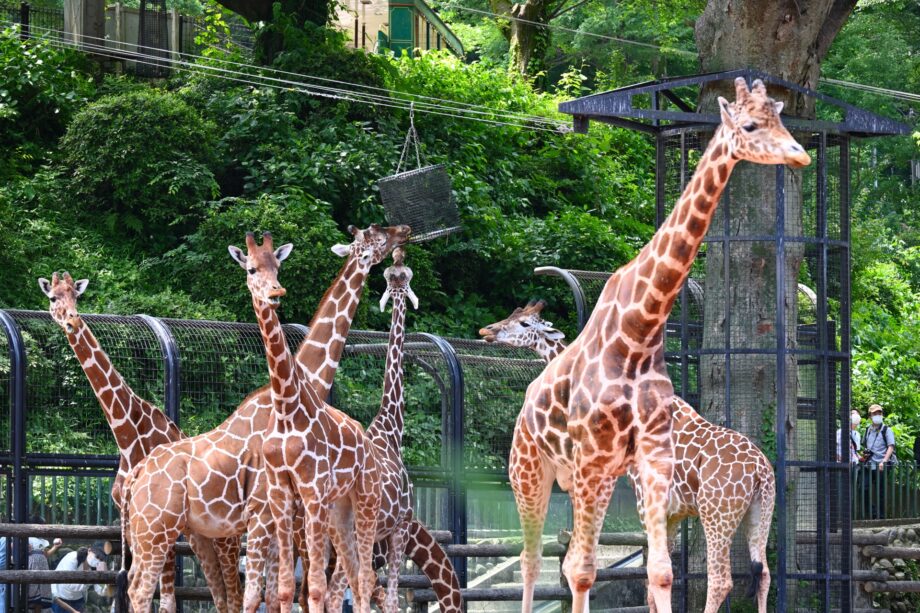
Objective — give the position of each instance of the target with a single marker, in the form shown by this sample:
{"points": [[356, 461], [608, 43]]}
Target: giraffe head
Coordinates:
{"points": [[63, 292], [523, 328], [398, 277], [261, 263], [373, 244], [754, 129]]}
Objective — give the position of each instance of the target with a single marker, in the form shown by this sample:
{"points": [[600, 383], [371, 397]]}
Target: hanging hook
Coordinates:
{"points": [[412, 115]]}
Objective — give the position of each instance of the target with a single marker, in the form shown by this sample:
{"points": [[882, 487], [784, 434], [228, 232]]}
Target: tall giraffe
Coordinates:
{"points": [[386, 433], [311, 452], [138, 427], [604, 404], [720, 476]]}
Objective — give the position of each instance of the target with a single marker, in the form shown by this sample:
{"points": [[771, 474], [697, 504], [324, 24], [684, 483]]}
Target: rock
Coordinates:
{"points": [[884, 564], [899, 576]]}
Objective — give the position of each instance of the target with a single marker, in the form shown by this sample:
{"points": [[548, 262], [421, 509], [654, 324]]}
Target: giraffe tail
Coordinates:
{"points": [[760, 516], [429, 556]]}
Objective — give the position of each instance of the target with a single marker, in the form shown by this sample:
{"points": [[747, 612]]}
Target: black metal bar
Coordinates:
{"points": [[826, 435], [24, 10], [171, 365], [846, 598], [780, 423], [457, 497], [577, 293], [17, 356]]}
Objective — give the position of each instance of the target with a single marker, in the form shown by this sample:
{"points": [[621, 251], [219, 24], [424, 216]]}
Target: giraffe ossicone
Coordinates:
{"points": [[719, 474], [604, 405]]}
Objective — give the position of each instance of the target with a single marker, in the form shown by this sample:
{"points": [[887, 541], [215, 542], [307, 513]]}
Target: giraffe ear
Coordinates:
{"points": [[725, 110], [554, 335], [340, 250], [384, 299], [80, 286], [779, 106], [237, 254], [412, 298], [284, 251], [45, 286]]}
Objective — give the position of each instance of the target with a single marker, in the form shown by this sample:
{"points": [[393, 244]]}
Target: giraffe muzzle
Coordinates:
{"points": [[487, 335], [275, 295]]}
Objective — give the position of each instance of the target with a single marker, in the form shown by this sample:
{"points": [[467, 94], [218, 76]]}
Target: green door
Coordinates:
{"points": [[402, 29]]}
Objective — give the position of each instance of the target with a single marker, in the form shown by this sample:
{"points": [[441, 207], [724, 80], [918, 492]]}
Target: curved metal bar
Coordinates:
{"points": [[171, 366], [574, 285], [457, 499], [17, 353]]}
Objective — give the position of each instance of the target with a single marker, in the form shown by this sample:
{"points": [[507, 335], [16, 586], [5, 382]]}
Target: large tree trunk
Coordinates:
{"points": [[788, 39], [529, 41]]}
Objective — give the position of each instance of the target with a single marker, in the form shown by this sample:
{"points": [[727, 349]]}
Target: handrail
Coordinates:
{"points": [[449, 37]]}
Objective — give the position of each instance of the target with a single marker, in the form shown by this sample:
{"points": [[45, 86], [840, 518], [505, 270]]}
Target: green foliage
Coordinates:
{"points": [[40, 89], [145, 147]]}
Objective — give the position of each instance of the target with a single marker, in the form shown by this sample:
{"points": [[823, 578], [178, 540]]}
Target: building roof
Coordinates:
{"points": [[639, 107]]}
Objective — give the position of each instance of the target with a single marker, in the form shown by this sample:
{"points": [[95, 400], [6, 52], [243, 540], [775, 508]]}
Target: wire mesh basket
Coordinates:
{"points": [[422, 199]]}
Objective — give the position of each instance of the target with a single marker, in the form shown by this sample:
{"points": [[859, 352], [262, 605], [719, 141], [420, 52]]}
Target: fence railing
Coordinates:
{"points": [[33, 20], [891, 493]]}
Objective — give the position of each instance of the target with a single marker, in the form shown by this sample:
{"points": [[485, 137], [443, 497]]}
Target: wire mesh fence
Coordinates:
{"points": [[33, 20]]}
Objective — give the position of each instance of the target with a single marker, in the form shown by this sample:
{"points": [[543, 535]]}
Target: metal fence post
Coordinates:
{"points": [[172, 372], [577, 293], [17, 354], [24, 20], [456, 500], [171, 365], [780, 425]]}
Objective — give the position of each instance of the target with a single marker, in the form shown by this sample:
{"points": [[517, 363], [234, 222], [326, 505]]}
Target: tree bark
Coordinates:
{"points": [[788, 39], [528, 40]]}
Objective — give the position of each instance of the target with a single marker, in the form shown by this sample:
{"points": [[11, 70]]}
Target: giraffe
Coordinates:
{"points": [[720, 476], [310, 451], [138, 427], [604, 404], [386, 432]]}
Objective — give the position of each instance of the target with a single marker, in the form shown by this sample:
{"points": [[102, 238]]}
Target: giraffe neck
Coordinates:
{"points": [[548, 349], [389, 420], [285, 380], [642, 293], [320, 352], [137, 425]]}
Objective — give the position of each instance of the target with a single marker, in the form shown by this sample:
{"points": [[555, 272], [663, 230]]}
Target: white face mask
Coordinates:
{"points": [[855, 419], [877, 420], [91, 560]]}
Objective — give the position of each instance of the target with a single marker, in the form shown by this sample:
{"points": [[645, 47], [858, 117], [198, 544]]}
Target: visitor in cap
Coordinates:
{"points": [[39, 593], [855, 439], [879, 443], [69, 597]]}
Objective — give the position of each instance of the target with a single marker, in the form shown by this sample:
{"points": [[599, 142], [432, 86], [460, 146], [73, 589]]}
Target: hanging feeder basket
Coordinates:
{"points": [[422, 198]]}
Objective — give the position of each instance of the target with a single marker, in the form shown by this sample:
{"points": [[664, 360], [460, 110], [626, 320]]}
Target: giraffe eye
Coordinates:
{"points": [[53, 299], [524, 324], [750, 127], [251, 271]]}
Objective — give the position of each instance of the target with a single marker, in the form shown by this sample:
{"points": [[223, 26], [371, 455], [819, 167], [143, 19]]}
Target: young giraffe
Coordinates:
{"points": [[138, 427], [604, 404], [720, 476]]}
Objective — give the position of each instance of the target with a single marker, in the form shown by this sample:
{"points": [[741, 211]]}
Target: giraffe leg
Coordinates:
{"points": [[210, 566], [394, 560], [316, 530], [150, 549], [281, 505], [673, 527], [271, 577], [718, 563], [335, 592], [366, 506], [300, 545], [532, 483], [344, 540], [590, 497], [655, 464], [168, 583], [258, 544], [228, 556]]}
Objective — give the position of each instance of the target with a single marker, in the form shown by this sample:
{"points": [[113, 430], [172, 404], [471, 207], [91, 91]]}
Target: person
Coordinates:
{"points": [[348, 602], [74, 594], [39, 593], [855, 438], [879, 443], [4, 556]]}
